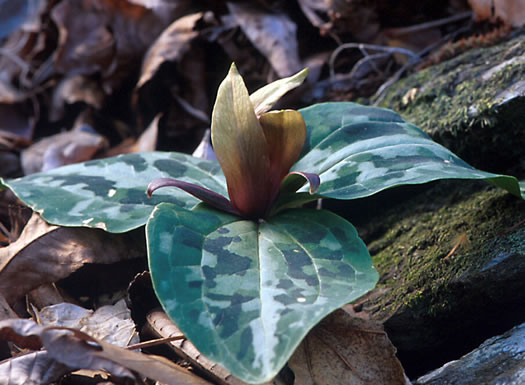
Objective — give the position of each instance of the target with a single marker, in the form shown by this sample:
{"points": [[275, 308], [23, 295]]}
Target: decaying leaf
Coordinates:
{"points": [[273, 34], [111, 323], [61, 149], [5, 311], [86, 44], [146, 142], [35, 368], [73, 89], [171, 45], [46, 253], [45, 295], [75, 349], [107, 36], [343, 349]]}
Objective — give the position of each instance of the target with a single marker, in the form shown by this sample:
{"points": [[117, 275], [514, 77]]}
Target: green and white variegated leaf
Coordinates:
{"points": [[111, 193], [358, 151], [245, 292]]}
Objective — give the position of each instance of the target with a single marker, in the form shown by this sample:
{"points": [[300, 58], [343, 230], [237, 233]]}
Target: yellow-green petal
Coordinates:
{"points": [[240, 145], [265, 97], [285, 133]]}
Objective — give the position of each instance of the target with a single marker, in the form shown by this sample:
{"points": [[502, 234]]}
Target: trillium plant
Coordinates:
{"points": [[237, 263], [255, 148]]}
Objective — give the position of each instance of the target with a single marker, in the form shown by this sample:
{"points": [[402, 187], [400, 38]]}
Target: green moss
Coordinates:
{"points": [[457, 103], [410, 255]]}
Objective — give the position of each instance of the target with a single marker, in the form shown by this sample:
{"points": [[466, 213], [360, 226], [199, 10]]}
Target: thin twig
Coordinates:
{"points": [[361, 47], [394, 32], [369, 58], [380, 93], [158, 341]]}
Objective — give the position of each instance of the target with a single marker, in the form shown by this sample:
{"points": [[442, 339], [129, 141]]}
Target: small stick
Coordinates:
{"points": [[460, 240], [156, 342], [393, 32], [380, 93], [362, 47]]}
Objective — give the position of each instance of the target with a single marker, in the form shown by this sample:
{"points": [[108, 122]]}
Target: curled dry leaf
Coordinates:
{"points": [[188, 96], [107, 36], [111, 323], [274, 35], [171, 45], [346, 350], [78, 350], [46, 253]]}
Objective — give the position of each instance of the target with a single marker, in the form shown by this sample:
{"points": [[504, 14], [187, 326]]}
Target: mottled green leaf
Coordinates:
{"points": [[245, 292], [111, 193], [358, 151]]}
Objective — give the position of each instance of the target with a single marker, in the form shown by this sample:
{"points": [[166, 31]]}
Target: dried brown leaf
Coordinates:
{"points": [[46, 253], [274, 35], [110, 323], [105, 36], [61, 149], [346, 350], [146, 142], [86, 43], [73, 89], [78, 350], [35, 368], [171, 45], [45, 295], [6, 311]]}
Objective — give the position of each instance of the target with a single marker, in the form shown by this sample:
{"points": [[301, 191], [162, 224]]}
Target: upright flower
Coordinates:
{"points": [[255, 147]]}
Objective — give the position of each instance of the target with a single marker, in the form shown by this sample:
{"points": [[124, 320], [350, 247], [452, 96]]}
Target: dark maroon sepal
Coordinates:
{"points": [[207, 196]]}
